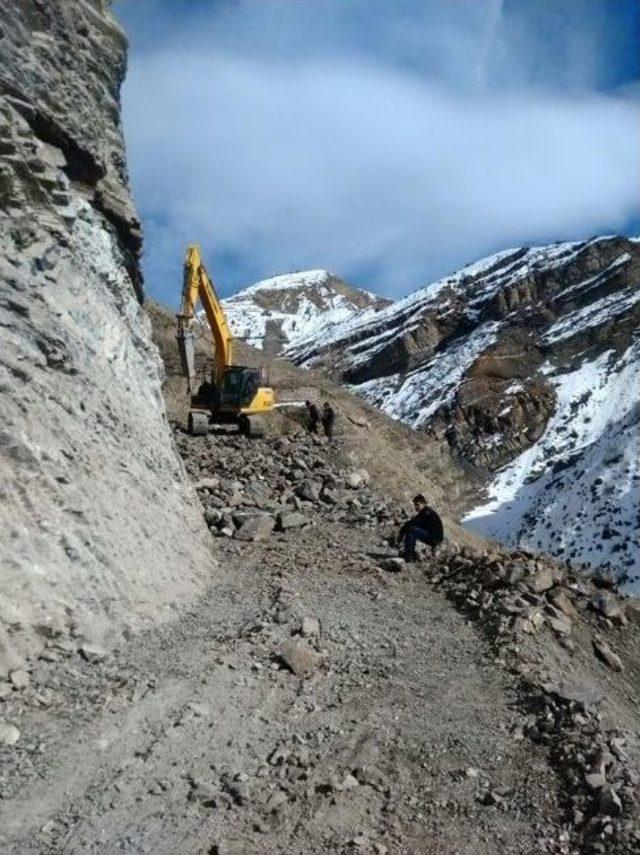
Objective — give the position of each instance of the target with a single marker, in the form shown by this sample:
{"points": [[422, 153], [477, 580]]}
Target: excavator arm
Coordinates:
{"points": [[198, 285]]}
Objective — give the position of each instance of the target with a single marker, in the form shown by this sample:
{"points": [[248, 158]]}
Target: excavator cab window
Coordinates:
{"points": [[240, 386]]}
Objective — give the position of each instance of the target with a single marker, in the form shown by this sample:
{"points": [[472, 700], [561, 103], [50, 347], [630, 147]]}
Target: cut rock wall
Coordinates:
{"points": [[101, 531]]}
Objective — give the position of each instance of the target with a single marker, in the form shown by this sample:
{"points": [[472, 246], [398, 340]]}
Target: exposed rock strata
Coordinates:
{"points": [[528, 360], [99, 528]]}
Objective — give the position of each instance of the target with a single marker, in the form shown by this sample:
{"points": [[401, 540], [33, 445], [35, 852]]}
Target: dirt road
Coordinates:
{"points": [[198, 738]]}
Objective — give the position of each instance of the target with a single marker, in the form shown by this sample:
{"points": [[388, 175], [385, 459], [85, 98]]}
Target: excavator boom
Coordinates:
{"points": [[198, 285]]}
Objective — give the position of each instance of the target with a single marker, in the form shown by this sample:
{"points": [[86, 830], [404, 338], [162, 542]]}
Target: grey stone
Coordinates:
{"points": [[310, 627], [606, 654], [20, 679], [207, 484], [607, 604], [212, 516], [256, 527], [595, 780], [9, 733], [308, 491], [329, 496], [562, 602], [571, 689], [542, 580], [353, 480], [93, 653], [392, 565], [291, 519], [609, 802], [560, 624], [299, 657]]}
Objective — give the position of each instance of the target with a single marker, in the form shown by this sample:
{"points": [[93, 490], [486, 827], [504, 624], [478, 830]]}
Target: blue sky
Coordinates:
{"points": [[390, 141]]}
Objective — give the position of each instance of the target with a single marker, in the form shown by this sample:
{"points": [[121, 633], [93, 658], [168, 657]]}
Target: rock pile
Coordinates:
{"points": [[530, 607], [278, 485]]}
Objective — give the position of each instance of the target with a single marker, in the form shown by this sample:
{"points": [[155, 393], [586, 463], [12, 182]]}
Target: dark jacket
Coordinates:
{"points": [[328, 416], [426, 520], [314, 415]]}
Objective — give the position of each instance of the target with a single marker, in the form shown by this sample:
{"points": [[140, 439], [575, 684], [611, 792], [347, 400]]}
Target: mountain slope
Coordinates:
{"points": [[526, 365], [275, 313]]}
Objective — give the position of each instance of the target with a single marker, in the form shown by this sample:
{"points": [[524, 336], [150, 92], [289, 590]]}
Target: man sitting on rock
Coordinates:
{"points": [[425, 526]]}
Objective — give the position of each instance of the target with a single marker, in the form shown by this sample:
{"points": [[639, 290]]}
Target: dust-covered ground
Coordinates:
{"points": [[321, 697]]}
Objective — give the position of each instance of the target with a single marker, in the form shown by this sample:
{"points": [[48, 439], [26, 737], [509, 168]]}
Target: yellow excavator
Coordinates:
{"points": [[228, 393]]}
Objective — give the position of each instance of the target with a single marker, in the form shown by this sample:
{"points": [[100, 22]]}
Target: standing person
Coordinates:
{"points": [[328, 419], [426, 526], [314, 417]]}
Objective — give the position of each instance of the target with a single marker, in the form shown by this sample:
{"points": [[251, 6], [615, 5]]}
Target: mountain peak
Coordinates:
{"points": [[278, 312], [286, 282]]}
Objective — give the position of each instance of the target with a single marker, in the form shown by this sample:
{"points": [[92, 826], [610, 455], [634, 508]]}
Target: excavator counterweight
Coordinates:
{"points": [[231, 394]]}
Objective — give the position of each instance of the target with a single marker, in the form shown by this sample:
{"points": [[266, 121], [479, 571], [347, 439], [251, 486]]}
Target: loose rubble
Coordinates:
{"points": [[325, 696], [517, 598]]}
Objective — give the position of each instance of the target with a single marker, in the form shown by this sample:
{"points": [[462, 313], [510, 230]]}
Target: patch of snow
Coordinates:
{"points": [[297, 316], [415, 397], [576, 492], [284, 282], [366, 333], [594, 281], [592, 315]]}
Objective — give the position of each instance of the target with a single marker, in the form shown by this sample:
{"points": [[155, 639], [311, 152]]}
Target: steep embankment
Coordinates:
{"points": [[277, 313], [527, 365], [99, 524]]}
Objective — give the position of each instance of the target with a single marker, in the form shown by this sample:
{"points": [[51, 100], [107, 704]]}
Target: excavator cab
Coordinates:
{"points": [[239, 387]]}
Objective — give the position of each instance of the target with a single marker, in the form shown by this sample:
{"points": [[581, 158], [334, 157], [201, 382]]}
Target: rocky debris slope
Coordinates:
{"points": [[100, 529], [565, 637], [526, 365], [276, 313], [395, 455], [316, 702]]}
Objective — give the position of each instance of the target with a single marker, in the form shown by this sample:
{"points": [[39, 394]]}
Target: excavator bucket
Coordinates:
{"points": [[187, 351]]}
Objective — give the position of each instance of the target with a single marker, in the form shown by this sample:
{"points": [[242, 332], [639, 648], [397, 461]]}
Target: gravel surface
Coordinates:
{"points": [[311, 702]]}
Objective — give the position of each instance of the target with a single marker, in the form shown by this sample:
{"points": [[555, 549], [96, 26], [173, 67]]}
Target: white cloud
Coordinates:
{"points": [[356, 165]]}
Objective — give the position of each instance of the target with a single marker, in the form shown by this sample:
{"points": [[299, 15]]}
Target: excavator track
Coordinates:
{"points": [[252, 426], [198, 423]]}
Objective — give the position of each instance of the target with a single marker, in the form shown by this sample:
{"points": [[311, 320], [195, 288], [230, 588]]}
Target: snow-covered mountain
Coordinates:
{"points": [[276, 313], [527, 364]]}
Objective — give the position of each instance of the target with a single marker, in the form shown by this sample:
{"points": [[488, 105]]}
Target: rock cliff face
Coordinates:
{"points": [[277, 313], [99, 527], [527, 365]]}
